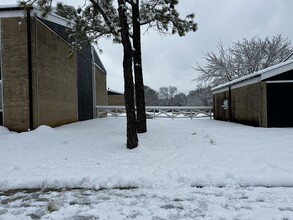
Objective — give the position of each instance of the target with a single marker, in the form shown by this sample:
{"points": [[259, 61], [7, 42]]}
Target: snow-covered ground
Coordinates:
{"points": [[182, 169]]}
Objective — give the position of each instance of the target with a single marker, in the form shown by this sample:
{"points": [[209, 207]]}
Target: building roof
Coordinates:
{"points": [[10, 11], [260, 75], [112, 92]]}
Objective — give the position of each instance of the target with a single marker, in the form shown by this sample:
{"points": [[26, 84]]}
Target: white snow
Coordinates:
{"points": [[182, 169], [4, 130]]}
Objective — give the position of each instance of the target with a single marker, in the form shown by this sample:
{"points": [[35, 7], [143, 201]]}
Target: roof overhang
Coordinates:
{"points": [[10, 11], [114, 92], [261, 75]]}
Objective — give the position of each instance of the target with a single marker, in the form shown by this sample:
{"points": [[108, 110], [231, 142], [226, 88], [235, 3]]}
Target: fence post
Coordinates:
{"points": [[191, 117]]}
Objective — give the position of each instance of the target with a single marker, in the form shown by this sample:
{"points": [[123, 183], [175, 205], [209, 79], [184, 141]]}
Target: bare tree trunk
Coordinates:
{"points": [[139, 86], [132, 140]]}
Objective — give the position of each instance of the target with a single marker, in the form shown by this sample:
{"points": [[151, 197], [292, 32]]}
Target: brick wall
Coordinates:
{"points": [[219, 112], [15, 73], [116, 100], [247, 107], [264, 114], [101, 87], [55, 99], [55, 80]]}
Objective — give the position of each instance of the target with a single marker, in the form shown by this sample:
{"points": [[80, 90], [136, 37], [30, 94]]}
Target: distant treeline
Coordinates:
{"points": [[169, 96]]}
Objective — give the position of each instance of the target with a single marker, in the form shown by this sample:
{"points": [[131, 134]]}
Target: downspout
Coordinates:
{"points": [[29, 63]]}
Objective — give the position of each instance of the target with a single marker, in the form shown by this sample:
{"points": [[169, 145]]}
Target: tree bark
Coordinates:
{"points": [[139, 86], [132, 140]]}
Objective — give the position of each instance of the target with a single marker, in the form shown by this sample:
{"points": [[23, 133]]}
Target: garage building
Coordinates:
{"points": [[263, 98]]}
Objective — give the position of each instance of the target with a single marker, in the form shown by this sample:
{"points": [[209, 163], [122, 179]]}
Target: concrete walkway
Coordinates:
{"points": [[183, 203]]}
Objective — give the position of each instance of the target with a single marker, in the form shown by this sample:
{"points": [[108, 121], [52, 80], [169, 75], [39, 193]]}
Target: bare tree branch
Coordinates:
{"points": [[242, 58]]}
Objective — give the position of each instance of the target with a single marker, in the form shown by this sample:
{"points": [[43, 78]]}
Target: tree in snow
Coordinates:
{"points": [[176, 99], [180, 99], [97, 19], [242, 58], [167, 94], [151, 96], [202, 96], [132, 140]]}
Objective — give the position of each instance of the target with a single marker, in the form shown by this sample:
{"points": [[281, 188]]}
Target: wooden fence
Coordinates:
{"points": [[154, 112]]}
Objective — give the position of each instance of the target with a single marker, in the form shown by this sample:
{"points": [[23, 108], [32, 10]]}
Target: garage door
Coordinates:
{"points": [[280, 104]]}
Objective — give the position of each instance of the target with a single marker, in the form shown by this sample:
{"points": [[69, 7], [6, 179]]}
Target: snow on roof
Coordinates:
{"points": [[264, 74], [8, 6], [9, 11]]}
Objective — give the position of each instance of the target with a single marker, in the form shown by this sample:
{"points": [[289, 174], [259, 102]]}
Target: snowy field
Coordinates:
{"points": [[182, 169]]}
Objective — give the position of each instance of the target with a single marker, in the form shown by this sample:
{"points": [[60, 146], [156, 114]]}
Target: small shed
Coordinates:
{"points": [[263, 98]]}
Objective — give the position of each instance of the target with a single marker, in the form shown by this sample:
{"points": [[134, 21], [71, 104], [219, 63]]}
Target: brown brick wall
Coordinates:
{"points": [[54, 77], [219, 112], [245, 104], [264, 120], [247, 107], [15, 74], [55, 80], [117, 100], [101, 87]]}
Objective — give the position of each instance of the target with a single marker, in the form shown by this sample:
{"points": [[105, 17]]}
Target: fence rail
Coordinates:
{"points": [[159, 111]]}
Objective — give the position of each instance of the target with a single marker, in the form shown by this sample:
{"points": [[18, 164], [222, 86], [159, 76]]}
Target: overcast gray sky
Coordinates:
{"points": [[168, 61]]}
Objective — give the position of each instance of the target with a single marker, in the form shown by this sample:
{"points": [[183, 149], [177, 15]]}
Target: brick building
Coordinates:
{"points": [[39, 83], [115, 98], [261, 99]]}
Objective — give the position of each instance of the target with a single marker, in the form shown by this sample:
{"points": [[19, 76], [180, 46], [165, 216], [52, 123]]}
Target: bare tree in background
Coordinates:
{"points": [[242, 58], [166, 95], [202, 96], [180, 99], [151, 96]]}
